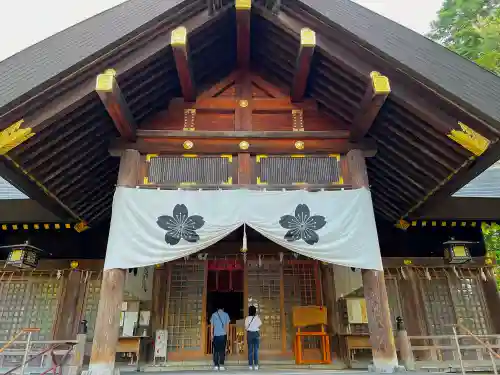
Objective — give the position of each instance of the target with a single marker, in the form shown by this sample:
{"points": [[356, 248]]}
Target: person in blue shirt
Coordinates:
{"points": [[219, 330]]}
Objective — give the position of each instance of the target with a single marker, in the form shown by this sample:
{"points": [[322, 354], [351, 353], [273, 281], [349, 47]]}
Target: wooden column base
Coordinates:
{"points": [[102, 361], [385, 359]]}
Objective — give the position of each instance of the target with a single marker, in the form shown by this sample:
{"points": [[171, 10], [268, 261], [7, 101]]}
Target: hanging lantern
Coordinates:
{"points": [[23, 256], [457, 252]]}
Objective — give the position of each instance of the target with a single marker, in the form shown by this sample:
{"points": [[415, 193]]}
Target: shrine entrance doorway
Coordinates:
{"points": [[225, 289]]}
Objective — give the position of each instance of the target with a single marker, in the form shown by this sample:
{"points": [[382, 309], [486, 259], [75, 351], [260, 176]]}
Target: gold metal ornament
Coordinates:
{"points": [[299, 145], [244, 145], [188, 145], [243, 103]]}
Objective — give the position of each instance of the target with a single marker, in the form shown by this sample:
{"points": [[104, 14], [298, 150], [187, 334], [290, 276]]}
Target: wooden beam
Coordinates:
{"points": [[243, 15], [111, 96], [303, 65], [374, 98], [377, 303], [181, 55], [333, 134], [233, 145], [102, 360], [259, 105], [431, 262]]}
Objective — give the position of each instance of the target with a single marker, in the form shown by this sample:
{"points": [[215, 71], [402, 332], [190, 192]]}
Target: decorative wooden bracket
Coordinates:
{"points": [[189, 119], [298, 120], [181, 55], [243, 14], [469, 139], [371, 103], [114, 102], [13, 136], [303, 65]]}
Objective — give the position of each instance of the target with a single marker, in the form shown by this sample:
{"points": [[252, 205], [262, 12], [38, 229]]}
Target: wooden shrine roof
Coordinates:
{"points": [[66, 164]]}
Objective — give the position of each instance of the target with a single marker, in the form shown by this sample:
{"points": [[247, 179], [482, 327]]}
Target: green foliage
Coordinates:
{"points": [[491, 234], [470, 28]]}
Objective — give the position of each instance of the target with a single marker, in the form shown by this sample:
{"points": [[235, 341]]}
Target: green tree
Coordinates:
{"points": [[491, 234], [470, 28]]}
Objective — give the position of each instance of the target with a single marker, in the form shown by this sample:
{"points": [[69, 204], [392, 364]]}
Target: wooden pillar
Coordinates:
{"points": [[413, 305], [377, 303], [102, 360], [492, 297], [404, 345], [71, 307], [159, 293], [282, 308]]}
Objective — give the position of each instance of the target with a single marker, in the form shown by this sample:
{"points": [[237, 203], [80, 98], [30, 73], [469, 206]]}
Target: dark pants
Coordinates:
{"points": [[219, 349], [253, 339]]}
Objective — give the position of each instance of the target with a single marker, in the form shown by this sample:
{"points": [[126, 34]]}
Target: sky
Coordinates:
{"points": [[26, 22]]}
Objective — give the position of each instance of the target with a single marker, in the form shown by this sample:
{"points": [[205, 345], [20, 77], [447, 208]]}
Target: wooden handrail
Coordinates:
{"points": [[485, 345], [69, 342], [443, 337], [14, 338]]}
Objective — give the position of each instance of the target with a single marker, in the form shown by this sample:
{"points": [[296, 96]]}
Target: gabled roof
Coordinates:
{"points": [[36, 66], [51, 85], [7, 191], [486, 185]]}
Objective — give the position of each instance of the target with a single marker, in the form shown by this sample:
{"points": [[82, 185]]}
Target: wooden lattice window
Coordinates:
{"points": [[185, 306], [438, 305], [190, 170], [264, 293], [449, 299], [300, 290], [30, 302], [298, 169], [470, 307], [91, 305]]}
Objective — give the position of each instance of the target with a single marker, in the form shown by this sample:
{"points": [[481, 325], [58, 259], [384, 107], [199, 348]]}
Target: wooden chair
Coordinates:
{"points": [[309, 316]]}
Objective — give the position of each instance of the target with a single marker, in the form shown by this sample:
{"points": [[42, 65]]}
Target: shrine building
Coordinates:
{"points": [[299, 156]]}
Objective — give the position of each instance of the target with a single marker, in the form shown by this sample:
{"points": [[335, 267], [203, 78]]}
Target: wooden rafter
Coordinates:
{"points": [[303, 65], [243, 8], [376, 93], [406, 92], [180, 49], [75, 97], [111, 96]]}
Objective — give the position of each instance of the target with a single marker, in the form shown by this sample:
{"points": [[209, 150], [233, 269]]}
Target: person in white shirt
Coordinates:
{"points": [[252, 326]]}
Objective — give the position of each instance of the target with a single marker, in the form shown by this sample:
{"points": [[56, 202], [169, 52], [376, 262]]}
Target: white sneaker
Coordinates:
{"points": [[250, 368], [256, 367], [216, 368], [222, 368]]}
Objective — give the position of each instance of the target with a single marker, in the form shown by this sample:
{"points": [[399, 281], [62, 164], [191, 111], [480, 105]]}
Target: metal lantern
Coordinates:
{"points": [[23, 256], [457, 252]]}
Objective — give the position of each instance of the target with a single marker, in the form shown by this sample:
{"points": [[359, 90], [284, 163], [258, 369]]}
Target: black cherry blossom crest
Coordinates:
{"points": [[302, 226], [180, 225]]}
